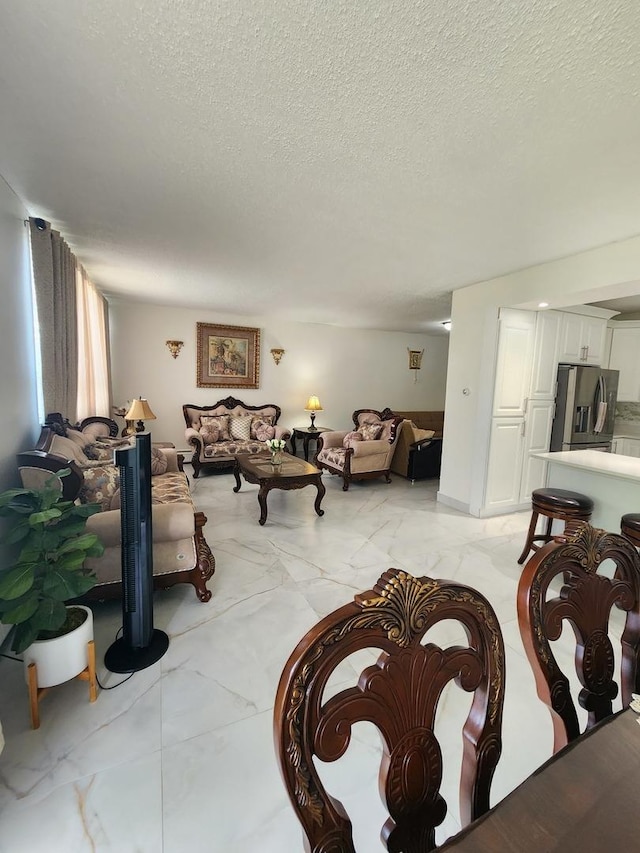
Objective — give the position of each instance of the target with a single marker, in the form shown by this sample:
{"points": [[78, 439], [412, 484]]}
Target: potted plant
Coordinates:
{"points": [[50, 533]]}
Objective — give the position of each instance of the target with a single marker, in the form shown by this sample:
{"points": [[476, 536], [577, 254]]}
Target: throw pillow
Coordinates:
{"points": [[241, 428], [370, 432], [257, 421], [351, 438], [220, 422], [159, 462], [264, 432], [420, 434], [79, 437], [209, 434], [99, 486]]}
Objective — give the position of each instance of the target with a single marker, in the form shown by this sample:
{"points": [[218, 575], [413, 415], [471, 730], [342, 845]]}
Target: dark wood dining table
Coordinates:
{"points": [[586, 798]]}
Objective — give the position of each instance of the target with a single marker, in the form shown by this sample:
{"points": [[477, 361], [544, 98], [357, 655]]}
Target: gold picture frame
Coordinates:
{"points": [[227, 356]]}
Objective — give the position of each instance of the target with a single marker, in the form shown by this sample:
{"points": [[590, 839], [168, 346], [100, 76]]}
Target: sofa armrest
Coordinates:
{"points": [[282, 432], [331, 439], [171, 522], [194, 439], [171, 455], [368, 448]]}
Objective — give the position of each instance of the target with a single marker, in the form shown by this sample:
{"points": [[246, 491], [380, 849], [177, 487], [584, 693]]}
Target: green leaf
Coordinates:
{"points": [[23, 636], [79, 543], [16, 581], [16, 532], [61, 585], [24, 611], [49, 616], [44, 516]]}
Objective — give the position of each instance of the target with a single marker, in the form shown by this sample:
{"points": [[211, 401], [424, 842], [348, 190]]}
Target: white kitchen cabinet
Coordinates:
{"points": [[625, 357], [625, 446], [582, 339], [516, 336], [537, 437], [505, 463], [545, 356]]}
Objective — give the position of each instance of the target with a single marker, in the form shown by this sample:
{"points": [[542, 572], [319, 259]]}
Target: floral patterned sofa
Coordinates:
{"points": [[180, 551], [219, 432]]}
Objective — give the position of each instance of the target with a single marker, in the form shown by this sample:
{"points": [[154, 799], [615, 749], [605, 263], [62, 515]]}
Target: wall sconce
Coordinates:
{"points": [[175, 347], [277, 354], [415, 361]]}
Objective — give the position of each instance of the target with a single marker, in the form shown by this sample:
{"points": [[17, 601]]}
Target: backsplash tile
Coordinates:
{"points": [[627, 411]]}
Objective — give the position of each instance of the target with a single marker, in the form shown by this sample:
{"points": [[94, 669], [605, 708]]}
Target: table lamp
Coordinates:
{"points": [[313, 406], [139, 411]]}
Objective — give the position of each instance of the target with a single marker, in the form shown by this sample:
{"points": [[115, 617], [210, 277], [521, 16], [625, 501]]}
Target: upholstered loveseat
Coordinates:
{"points": [[363, 453], [219, 432], [419, 451], [180, 551]]}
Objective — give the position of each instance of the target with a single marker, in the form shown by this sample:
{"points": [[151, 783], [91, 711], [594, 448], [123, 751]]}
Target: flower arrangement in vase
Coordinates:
{"points": [[276, 446]]}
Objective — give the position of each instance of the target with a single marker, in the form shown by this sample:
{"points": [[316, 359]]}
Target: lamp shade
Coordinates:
{"points": [[313, 405], [140, 410]]}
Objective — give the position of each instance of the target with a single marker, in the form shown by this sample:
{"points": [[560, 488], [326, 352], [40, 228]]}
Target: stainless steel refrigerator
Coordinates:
{"points": [[585, 408]]}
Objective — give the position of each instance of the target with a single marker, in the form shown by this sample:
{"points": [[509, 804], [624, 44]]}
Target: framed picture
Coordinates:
{"points": [[228, 356]]}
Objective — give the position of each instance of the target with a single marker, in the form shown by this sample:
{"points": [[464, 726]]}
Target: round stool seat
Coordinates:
{"points": [[554, 504], [632, 521], [561, 499]]}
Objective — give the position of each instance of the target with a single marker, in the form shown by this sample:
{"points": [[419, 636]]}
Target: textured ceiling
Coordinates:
{"points": [[348, 162]]}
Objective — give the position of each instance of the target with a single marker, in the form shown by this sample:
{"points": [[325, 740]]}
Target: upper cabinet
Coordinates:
{"points": [[513, 367], [582, 339], [545, 355], [625, 357]]}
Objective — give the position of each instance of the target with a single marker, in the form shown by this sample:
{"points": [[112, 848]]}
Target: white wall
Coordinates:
{"points": [[606, 273], [19, 427], [347, 368]]}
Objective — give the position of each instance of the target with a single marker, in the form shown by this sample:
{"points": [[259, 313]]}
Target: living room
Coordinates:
{"points": [[181, 756]]}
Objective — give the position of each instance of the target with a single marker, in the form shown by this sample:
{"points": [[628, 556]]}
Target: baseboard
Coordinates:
{"points": [[488, 512], [453, 503]]}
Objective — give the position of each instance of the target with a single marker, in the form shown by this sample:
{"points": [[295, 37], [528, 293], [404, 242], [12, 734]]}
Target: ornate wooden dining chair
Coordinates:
{"points": [[399, 694], [586, 599]]}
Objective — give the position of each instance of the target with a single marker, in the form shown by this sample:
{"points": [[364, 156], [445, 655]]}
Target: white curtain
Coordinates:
{"points": [[93, 349]]}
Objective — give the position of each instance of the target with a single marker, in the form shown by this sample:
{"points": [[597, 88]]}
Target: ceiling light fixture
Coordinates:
{"points": [[447, 325], [543, 304]]}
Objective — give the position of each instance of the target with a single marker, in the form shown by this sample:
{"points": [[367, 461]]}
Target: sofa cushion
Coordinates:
{"points": [[209, 434], [98, 451], [79, 437], [240, 428], [99, 485], [225, 449], [158, 462], [257, 423], [219, 422], [351, 437], [370, 431]]}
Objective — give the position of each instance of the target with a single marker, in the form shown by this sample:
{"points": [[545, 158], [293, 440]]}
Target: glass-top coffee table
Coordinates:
{"points": [[293, 473]]}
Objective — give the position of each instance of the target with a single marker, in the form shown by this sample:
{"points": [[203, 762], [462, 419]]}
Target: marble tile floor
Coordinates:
{"points": [[180, 757]]}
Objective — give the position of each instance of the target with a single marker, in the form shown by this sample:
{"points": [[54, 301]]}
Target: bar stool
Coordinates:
{"points": [[630, 527], [554, 503]]}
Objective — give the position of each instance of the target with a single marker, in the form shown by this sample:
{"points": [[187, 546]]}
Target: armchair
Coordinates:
{"points": [[362, 454]]}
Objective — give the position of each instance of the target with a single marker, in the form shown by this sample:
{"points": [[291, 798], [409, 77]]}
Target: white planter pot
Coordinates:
{"points": [[63, 657]]}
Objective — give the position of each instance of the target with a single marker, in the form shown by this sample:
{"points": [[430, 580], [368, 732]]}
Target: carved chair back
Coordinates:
{"points": [[586, 599], [399, 694]]}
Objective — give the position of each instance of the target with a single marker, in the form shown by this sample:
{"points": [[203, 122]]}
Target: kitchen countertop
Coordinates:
{"points": [[610, 480], [608, 464]]}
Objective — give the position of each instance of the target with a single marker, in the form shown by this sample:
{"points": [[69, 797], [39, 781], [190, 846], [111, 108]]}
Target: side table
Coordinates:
{"points": [[306, 434]]}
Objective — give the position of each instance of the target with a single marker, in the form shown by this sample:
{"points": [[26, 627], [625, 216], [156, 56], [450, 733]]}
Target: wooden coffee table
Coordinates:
{"points": [[293, 473]]}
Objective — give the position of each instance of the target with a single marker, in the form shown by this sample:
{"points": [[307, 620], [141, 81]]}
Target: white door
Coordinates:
{"points": [[571, 344], [515, 355], [594, 335], [537, 437], [505, 462], [545, 355], [625, 357]]}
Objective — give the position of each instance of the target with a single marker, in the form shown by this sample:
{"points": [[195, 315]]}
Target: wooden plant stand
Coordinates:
{"points": [[36, 693]]}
